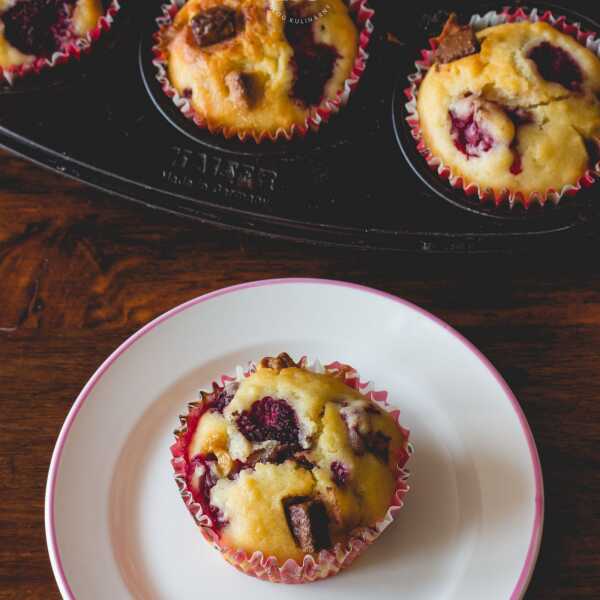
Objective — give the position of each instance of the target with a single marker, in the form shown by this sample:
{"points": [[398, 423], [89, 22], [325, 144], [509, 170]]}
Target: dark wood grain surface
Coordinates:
{"points": [[81, 271]]}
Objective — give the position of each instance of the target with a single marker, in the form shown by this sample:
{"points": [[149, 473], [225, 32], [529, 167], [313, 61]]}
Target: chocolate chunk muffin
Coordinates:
{"points": [[34, 29], [288, 463], [258, 68], [513, 109]]}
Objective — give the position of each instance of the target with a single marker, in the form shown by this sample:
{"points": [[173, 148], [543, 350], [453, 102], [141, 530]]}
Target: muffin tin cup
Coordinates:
{"points": [[73, 50], [504, 197], [328, 562], [318, 115]]}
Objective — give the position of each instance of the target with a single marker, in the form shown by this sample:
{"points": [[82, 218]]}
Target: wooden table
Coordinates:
{"points": [[81, 271]]}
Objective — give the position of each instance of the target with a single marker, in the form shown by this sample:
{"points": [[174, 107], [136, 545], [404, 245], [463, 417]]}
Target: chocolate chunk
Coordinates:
{"points": [[455, 42], [241, 88], [309, 524], [276, 453], [216, 25], [304, 463], [379, 444], [283, 361]]}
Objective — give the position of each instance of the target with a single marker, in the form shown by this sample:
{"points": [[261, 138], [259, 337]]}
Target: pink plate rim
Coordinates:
{"points": [[53, 549]]}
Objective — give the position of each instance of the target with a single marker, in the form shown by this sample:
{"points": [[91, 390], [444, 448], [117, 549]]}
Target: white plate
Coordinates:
{"points": [[117, 528]]}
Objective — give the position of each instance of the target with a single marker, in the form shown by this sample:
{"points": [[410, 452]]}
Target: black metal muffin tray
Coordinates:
{"points": [[359, 182]]}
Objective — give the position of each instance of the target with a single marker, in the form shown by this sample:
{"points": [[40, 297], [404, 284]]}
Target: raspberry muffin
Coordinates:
{"points": [[513, 109], [258, 68], [33, 31], [291, 472]]}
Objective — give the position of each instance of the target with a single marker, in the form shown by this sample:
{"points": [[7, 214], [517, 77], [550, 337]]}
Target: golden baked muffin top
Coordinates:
{"points": [[32, 29], [258, 66], [289, 462], [519, 112]]}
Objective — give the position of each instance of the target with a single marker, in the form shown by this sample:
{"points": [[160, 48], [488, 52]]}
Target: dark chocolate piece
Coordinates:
{"points": [[309, 524], [276, 453], [282, 361], [240, 88], [379, 444], [455, 42], [216, 25], [304, 463]]}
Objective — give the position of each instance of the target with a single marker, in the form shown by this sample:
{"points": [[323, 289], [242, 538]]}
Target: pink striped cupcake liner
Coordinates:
{"points": [[268, 568], [74, 48], [318, 115], [589, 39]]}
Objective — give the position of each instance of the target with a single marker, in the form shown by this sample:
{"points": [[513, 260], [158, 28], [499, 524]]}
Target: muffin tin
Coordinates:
{"points": [[359, 182]]}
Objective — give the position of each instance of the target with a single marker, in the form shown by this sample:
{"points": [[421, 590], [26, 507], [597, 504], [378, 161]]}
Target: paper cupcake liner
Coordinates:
{"points": [[479, 22], [318, 115], [328, 562], [72, 49]]}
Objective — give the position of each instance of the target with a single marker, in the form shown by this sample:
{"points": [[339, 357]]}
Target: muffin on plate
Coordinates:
{"points": [[512, 109], [291, 471], [38, 33], [259, 68]]}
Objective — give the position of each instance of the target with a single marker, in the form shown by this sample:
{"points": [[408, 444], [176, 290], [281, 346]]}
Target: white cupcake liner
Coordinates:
{"points": [[478, 22]]}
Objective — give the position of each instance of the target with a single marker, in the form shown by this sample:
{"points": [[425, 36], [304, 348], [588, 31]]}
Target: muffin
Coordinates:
{"points": [[513, 109], [34, 33], [259, 68], [291, 472]]}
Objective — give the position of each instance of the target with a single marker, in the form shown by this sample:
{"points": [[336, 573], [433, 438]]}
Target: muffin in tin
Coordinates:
{"points": [[289, 464], [513, 109], [259, 68], [38, 33]]}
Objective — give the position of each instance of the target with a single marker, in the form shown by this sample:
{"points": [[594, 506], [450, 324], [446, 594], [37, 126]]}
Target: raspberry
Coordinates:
{"points": [[339, 473], [270, 419], [517, 165], [556, 65], [37, 27], [221, 401], [206, 482], [469, 136], [313, 63]]}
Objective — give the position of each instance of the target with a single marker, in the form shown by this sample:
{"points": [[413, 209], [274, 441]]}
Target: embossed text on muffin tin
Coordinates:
{"points": [[212, 173]]}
